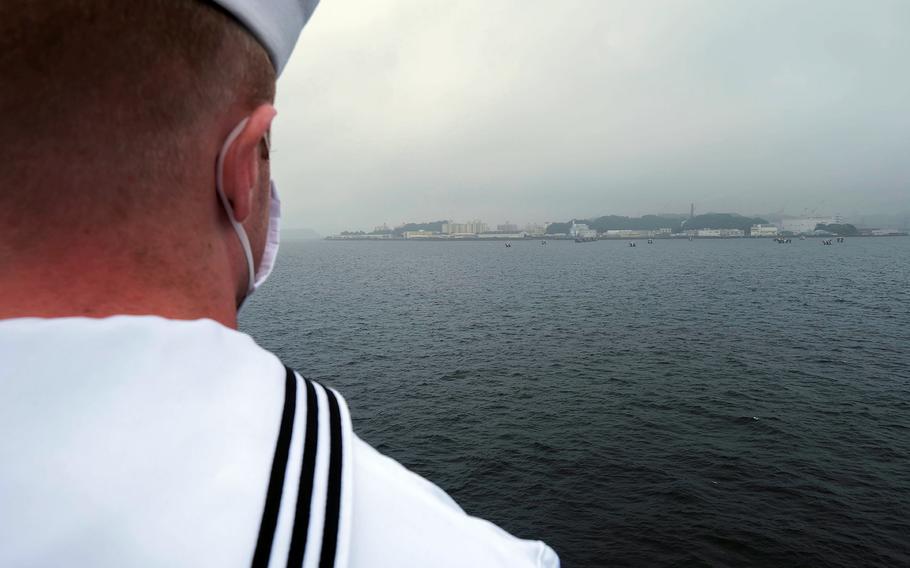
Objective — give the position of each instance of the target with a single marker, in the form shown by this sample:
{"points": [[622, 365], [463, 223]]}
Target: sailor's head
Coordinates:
{"points": [[118, 116]]}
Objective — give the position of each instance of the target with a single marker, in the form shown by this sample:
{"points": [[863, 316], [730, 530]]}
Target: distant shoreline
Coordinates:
{"points": [[567, 238]]}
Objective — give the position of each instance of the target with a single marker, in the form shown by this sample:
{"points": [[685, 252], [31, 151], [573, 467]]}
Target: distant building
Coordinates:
{"points": [[582, 230], [576, 227], [500, 235], [763, 231], [419, 234], [535, 229], [470, 228], [628, 234], [720, 233], [805, 225], [507, 228], [883, 232]]}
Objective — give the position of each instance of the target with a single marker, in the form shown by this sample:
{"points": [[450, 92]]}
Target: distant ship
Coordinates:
{"points": [[585, 239]]}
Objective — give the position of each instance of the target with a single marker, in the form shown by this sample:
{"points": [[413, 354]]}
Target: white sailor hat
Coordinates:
{"points": [[275, 23]]}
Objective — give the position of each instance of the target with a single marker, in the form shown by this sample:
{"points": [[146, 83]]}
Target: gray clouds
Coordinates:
{"points": [[537, 111]]}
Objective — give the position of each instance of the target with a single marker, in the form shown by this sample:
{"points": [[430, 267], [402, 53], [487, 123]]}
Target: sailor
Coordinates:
{"points": [[139, 427]]}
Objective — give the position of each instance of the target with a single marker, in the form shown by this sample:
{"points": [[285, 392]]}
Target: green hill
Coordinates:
{"points": [[655, 222]]}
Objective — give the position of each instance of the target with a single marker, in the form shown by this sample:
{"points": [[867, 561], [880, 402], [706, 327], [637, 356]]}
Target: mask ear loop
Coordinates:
{"points": [[219, 185]]}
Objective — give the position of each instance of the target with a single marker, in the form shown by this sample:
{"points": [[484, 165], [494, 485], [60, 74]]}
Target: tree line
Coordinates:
{"points": [[654, 222]]}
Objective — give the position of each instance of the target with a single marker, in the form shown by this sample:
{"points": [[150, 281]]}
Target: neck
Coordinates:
{"points": [[101, 278]]}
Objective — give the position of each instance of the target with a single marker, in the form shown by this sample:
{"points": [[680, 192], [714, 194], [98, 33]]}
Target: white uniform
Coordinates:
{"points": [[141, 441]]}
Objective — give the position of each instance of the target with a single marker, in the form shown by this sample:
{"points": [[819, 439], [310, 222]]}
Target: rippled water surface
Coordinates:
{"points": [[731, 402]]}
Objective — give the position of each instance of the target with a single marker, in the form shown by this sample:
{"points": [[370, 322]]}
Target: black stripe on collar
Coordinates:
{"points": [[333, 499], [276, 479], [307, 473]]}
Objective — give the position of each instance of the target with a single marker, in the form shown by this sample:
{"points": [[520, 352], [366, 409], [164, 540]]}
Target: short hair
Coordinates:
{"points": [[143, 74]]}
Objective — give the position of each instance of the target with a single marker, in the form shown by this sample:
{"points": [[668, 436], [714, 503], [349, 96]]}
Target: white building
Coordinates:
{"points": [[805, 225], [586, 234], [720, 233], [763, 231], [577, 228], [628, 234], [419, 234], [535, 229], [469, 228], [516, 236]]}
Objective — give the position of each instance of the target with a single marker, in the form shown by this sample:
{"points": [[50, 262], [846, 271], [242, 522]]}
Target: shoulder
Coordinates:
{"points": [[401, 519], [140, 343], [133, 432]]}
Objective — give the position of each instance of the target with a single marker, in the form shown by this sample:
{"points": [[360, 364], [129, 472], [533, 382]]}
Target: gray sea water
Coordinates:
{"points": [[729, 402]]}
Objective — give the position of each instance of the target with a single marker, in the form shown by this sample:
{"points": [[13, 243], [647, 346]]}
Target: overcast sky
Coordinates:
{"points": [[532, 110]]}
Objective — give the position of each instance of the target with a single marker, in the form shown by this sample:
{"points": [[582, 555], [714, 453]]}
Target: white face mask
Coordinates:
{"points": [[256, 277]]}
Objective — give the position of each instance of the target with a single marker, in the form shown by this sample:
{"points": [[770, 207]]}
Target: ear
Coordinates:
{"points": [[241, 162]]}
